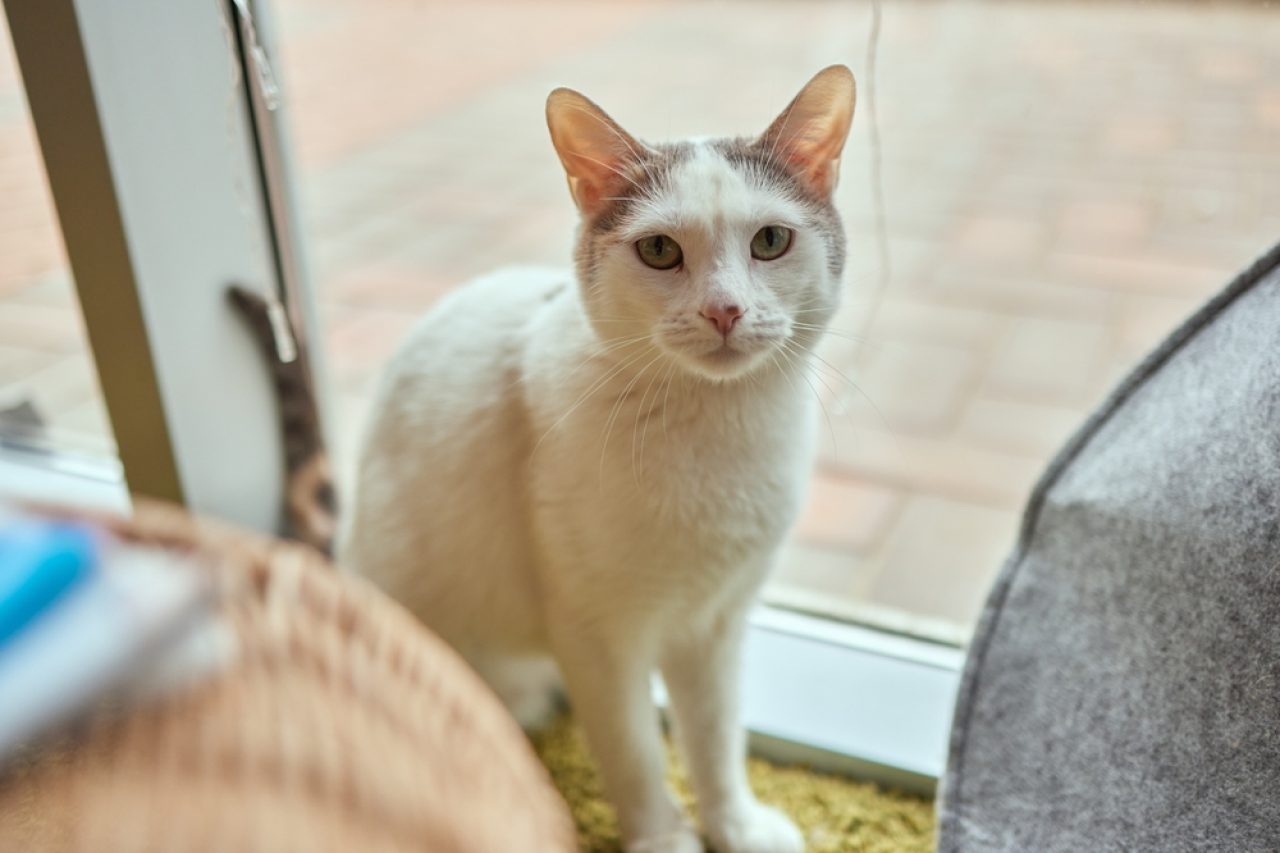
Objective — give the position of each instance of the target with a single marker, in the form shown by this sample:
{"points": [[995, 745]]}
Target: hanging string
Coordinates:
{"points": [[877, 183], [866, 318]]}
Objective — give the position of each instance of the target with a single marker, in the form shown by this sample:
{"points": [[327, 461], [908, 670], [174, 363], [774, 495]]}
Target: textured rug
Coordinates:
{"points": [[836, 814]]}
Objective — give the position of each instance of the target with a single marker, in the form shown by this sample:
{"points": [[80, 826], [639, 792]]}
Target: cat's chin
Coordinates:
{"points": [[725, 363]]}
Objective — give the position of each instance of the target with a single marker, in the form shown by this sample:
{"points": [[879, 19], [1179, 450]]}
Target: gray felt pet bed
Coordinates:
{"points": [[1123, 687]]}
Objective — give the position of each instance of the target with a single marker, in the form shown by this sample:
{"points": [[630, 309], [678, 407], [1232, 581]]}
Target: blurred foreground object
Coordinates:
{"points": [[339, 724], [86, 620], [1123, 688]]}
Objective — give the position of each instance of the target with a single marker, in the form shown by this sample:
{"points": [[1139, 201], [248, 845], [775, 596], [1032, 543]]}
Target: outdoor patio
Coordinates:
{"points": [[1062, 182]]}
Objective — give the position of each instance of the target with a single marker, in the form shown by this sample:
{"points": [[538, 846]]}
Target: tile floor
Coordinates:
{"points": [[1062, 183]]}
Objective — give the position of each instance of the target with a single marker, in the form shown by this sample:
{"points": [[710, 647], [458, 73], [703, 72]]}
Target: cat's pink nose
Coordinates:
{"points": [[722, 316]]}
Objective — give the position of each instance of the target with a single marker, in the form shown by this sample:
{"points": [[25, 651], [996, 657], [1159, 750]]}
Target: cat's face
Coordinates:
{"points": [[726, 255]]}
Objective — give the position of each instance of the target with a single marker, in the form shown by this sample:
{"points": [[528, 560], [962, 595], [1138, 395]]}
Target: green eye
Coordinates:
{"points": [[770, 243], [659, 252]]}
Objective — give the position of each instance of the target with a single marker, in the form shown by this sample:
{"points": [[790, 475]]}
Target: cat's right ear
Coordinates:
{"points": [[810, 133], [593, 149]]}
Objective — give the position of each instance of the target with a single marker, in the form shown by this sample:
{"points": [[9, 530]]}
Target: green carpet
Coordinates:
{"points": [[836, 814]]}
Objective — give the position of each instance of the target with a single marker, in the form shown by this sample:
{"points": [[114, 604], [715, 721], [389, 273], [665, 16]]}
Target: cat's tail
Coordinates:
{"points": [[310, 502]]}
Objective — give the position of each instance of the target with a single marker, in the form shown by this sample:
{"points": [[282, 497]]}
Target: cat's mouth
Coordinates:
{"points": [[717, 357], [724, 354], [725, 361]]}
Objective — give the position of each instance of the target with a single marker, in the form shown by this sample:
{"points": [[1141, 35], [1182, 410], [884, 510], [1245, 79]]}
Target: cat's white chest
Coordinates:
{"points": [[692, 494]]}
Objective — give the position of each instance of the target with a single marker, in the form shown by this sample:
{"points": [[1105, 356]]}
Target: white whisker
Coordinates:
{"points": [[622, 137], [787, 353], [617, 408], [635, 470], [595, 386], [616, 171]]}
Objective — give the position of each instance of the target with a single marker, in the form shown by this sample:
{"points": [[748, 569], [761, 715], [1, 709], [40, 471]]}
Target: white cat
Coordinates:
{"points": [[597, 468]]}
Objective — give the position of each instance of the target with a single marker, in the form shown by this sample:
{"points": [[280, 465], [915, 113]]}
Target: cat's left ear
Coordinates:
{"points": [[593, 149], [810, 133]]}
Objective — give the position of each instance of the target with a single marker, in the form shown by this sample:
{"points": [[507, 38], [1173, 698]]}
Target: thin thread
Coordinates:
{"points": [[877, 183]]}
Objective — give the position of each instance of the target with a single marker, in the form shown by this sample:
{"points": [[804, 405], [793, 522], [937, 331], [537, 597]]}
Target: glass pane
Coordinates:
{"points": [[49, 394], [1062, 183]]}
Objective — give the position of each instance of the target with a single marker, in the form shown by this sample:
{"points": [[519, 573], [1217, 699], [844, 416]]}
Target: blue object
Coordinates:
{"points": [[40, 562]]}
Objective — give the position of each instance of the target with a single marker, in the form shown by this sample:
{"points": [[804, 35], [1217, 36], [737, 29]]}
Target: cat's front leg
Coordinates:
{"points": [[701, 670], [607, 675]]}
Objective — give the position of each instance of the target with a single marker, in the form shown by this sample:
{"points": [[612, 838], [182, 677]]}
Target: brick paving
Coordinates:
{"points": [[1063, 182]]}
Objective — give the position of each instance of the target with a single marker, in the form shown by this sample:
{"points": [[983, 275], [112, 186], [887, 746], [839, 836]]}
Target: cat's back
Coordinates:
{"points": [[456, 376], [477, 329], [440, 482]]}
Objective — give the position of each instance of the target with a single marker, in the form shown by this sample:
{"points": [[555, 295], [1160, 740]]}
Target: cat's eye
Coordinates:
{"points": [[659, 252], [770, 243]]}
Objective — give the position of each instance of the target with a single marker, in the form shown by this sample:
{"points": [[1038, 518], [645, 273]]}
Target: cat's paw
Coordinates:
{"points": [[684, 840], [755, 829]]}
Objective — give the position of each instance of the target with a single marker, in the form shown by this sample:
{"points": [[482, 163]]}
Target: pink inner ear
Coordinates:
{"points": [[589, 193], [811, 132], [809, 154], [803, 146], [820, 176], [592, 147], [593, 182]]}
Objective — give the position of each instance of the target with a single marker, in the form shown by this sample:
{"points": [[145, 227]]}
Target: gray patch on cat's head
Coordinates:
{"points": [[643, 177], [754, 159], [650, 173]]}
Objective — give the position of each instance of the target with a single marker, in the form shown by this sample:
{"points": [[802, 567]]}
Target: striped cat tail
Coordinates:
{"points": [[310, 503]]}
